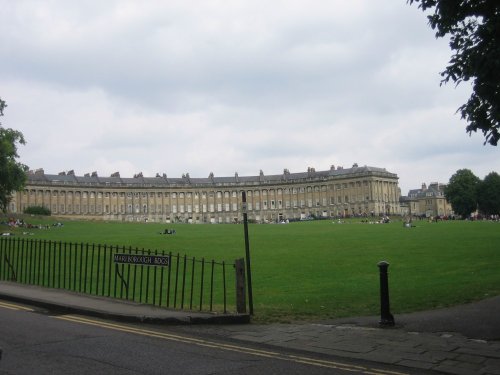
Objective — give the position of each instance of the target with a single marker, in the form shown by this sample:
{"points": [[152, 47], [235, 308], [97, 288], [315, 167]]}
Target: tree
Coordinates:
{"points": [[488, 194], [461, 192], [474, 30], [12, 173]]}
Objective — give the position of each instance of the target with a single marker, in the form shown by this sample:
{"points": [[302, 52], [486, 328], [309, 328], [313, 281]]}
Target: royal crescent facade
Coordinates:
{"points": [[337, 192]]}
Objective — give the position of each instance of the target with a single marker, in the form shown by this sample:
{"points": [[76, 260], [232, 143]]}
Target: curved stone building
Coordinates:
{"points": [[270, 198]]}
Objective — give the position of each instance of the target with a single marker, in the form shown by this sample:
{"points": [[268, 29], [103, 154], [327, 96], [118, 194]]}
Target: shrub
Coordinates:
{"points": [[37, 210]]}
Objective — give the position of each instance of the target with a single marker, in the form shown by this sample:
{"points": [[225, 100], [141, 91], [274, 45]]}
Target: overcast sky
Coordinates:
{"points": [[233, 86]]}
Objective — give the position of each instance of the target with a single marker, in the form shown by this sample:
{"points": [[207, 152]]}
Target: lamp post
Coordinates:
{"points": [[247, 252]]}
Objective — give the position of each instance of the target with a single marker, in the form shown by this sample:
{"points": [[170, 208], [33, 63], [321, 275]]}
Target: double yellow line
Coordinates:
{"points": [[229, 347], [12, 306]]}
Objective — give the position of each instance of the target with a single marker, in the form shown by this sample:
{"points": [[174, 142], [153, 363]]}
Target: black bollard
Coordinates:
{"points": [[386, 318]]}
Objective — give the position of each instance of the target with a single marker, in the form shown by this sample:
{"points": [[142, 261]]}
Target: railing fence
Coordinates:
{"points": [[177, 281]]}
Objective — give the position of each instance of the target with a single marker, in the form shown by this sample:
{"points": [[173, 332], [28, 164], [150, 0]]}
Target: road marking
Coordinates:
{"points": [[12, 306], [230, 347]]}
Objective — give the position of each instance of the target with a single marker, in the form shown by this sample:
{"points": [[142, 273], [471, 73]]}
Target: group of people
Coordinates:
{"points": [[20, 223], [168, 231]]}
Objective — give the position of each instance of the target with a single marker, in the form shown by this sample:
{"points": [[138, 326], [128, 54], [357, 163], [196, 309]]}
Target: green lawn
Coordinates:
{"points": [[321, 269]]}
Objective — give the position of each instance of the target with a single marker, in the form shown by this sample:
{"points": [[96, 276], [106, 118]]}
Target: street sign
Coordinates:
{"points": [[144, 260]]}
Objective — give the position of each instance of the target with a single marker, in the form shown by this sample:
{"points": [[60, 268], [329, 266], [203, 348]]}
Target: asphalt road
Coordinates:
{"points": [[36, 342]]}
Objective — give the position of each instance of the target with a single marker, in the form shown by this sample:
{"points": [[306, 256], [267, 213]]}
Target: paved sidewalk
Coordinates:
{"points": [[77, 303], [458, 340], [450, 353]]}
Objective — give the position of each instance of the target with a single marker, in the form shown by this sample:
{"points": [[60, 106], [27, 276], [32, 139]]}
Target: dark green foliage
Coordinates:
{"points": [[461, 192], [37, 210], [488, 194], [474, 30], [12, 173]]}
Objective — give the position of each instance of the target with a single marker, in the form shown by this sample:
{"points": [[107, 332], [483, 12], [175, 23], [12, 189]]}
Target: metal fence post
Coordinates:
{"points": [[386, 318]]}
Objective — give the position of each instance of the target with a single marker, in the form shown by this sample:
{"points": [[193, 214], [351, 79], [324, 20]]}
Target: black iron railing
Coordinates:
{"points": [[178, 281]]}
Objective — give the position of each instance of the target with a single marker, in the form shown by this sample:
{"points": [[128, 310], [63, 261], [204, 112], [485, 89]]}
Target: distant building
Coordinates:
{"points": [[426, 201], [354, 191]]}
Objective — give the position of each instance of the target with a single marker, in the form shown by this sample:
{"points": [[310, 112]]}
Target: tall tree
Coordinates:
{"points": [[488, 194], [12, 173], [474, 30], [461, 192]]}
